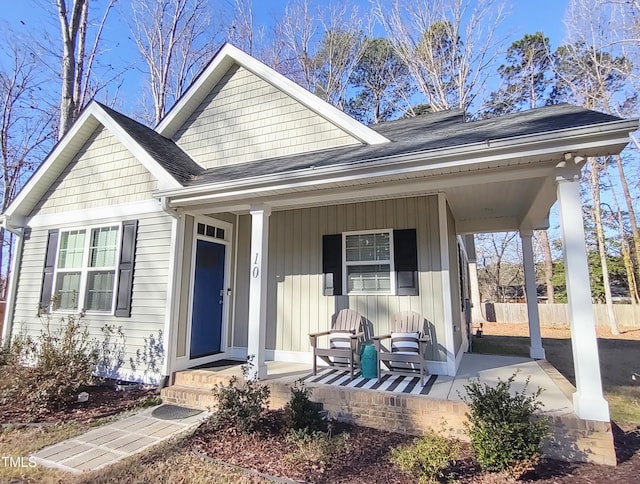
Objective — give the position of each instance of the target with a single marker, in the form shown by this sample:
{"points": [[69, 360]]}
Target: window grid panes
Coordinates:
{"points": [[104, 246], [67, 290], [100, 290], [86, 269], [369, 278], [71, 249], [368, 247], [368, 264]]}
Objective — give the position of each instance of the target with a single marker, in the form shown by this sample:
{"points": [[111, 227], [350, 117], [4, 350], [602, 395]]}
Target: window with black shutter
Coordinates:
{"points": [[370, 262], [84, 265]]}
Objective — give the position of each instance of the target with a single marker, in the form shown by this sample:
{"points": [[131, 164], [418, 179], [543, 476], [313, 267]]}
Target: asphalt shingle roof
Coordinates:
{"points": [[419, 134], [164, 150]]}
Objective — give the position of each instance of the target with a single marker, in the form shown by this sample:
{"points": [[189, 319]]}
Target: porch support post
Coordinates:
{"points": [[536, 351], [258, 289], [588, 400], [474, 287]]}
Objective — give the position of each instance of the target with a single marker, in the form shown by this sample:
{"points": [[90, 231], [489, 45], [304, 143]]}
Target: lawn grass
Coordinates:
{"points": [[171, 461], [619, 360], [21, 441]]}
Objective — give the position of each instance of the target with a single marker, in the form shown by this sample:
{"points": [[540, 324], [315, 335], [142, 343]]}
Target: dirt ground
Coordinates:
{"points": [[619, 354]]}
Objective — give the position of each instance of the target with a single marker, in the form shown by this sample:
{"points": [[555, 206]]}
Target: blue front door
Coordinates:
{"points": [[208, 298]]}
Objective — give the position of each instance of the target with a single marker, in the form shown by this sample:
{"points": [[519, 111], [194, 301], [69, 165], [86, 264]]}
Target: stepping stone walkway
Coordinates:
{"points": [[110, 443]]}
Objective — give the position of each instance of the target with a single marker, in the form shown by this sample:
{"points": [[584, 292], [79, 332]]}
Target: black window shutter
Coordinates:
{"points": [[405, 256], [125, 269], [49, 269], [332, 264]]}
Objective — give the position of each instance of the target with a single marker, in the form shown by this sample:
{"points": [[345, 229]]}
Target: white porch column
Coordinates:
{"points": [[588, 401], [474, 286], [258, 289], [536, 350]]}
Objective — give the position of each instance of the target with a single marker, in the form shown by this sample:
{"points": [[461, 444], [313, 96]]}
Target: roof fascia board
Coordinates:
{"points": [[320, 194], [169, 125], [446, 158]]}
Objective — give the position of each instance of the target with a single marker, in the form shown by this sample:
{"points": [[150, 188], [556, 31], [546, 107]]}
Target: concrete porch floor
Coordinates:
{"points": [[556, 396]]}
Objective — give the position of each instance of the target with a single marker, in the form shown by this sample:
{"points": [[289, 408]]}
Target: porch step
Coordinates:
{"points": [[188, 396], [199, 379]]}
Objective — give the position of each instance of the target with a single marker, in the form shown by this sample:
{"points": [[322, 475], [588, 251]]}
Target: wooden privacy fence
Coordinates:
{"points": [[558, 314]]}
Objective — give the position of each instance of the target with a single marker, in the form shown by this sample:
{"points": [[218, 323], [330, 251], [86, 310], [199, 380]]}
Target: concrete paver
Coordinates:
{"points": [[110, 443]]}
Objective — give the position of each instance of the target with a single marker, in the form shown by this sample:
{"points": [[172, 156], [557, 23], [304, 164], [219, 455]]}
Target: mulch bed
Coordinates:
{"points": [[104, 401], [366, 459]]}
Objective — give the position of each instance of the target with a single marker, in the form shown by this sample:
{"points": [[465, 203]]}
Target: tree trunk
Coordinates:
{"points": [[631, 211], [69, 28], [548, 264], [597, 218]]}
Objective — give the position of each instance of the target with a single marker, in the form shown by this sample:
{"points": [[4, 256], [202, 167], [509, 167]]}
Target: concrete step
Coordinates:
{"points": [[188, 396]]}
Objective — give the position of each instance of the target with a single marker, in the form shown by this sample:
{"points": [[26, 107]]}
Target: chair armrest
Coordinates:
{"points": [[377, 341], [357, 335], [313, 337], [382, 336], [321, 333]]}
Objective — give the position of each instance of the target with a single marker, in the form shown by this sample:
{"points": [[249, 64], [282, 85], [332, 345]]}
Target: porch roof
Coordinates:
{"points": [[419, 136], [497, 174]]}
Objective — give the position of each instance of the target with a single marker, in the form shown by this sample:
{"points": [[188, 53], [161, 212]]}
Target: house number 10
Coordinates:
{"points": [[255, 272]]}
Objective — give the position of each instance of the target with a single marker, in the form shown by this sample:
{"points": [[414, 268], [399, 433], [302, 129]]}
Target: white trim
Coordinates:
{"points": [[220, 64], [184, 363], [92, 116], [345, 264], [172, 283], [226, 242], [121, 211], [85, 269], [463, 349], [12, 290], [258, 281], [447, 307], [235, 279]]}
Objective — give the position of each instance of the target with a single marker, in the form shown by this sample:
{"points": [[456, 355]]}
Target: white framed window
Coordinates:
{"points": [[86, 269], [368, 262]]}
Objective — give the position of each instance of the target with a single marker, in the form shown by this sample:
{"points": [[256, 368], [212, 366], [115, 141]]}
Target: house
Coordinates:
{"points": [[255, 210]]}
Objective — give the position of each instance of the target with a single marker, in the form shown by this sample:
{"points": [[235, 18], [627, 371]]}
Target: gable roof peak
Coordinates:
{"points": [[223, 60]]}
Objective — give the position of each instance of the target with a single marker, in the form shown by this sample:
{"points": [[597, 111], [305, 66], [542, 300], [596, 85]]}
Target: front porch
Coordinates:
{"points": [[389, 406]]}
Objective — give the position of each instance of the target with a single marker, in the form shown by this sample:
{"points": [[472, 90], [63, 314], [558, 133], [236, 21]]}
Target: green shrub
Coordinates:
{"points": [[301, 413], [47, 371], [240, 404], [428, 457], [504, 434], [315, 447]]}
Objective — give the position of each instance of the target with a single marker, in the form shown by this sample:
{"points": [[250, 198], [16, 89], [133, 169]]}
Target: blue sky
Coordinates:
{"points": [[526, 16], [29, 17]]}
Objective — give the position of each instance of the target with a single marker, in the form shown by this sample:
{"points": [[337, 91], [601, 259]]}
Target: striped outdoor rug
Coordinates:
{"points": [[388, 383]]}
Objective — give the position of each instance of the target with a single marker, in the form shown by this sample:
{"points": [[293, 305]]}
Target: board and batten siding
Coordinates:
{"points": [[245, 118], [296, 305], [144, 329], [454, 280], [103, 173]]}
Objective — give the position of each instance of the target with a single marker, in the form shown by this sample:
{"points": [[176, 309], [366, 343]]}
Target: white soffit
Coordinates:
{"points": [[229, 55]]}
